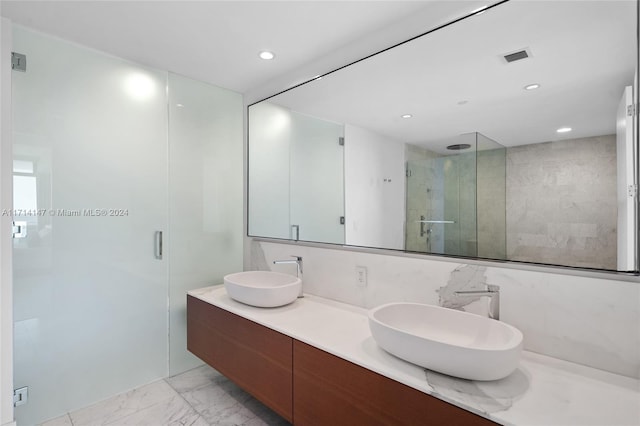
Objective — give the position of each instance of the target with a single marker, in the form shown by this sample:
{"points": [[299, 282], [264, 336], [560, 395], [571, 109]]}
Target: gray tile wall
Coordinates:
{"points": [[561, 202]]}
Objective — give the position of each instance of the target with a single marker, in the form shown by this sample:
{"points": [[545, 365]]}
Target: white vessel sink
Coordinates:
{"points": [[452, 342], [264, 289]]}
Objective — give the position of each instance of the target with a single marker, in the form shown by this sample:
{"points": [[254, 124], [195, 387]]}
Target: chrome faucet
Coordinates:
{"points": [[493, 292], [298, 262]]}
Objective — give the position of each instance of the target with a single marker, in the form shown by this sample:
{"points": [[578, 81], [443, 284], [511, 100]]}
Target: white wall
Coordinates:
{"points": [[6, 242], [374, 189]]}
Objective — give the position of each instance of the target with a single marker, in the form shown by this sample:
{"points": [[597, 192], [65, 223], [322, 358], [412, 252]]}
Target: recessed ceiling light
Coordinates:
{"points": [[532, 86], [265, 54], [564, 129], [406, 116], [179, 105]]}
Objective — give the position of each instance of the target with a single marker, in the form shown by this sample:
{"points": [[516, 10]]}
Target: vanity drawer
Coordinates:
{"points": [[256, 358], [332, 391]]}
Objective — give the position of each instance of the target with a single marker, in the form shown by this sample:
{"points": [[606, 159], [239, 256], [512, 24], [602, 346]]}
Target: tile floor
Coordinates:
{"points": [[199, 397]]}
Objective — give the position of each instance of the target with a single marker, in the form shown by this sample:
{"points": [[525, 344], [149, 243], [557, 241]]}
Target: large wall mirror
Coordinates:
{"points": [[509, 134]]}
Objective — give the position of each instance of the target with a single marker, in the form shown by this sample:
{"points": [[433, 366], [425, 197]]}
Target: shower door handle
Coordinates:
{"points": [[158, 245], [422, 222]]}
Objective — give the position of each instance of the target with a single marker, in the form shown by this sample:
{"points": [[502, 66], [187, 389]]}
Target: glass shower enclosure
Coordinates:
{"points": [[128, 187], [455, 200]]}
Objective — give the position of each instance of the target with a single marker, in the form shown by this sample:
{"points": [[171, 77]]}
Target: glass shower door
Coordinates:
{"points": [[441, 201], [90, 166]]}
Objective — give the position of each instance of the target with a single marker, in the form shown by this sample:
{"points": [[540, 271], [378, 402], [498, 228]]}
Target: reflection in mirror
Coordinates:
{"points": [[456, 202], [543, 94], [297, 176]]}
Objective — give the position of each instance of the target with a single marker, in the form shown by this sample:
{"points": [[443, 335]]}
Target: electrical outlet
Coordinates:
{"points": [[361, 276]]}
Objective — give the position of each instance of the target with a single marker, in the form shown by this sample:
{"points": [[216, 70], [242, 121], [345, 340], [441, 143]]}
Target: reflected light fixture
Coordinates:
{"points": [[564, 129], [406, 116], [266, 55], [531, 86]]}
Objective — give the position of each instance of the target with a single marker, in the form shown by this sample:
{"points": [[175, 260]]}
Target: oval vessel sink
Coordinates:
{"points": [[452, 342], [264, 289]]}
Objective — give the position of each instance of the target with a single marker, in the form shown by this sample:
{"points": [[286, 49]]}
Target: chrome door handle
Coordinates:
{"points": [[158, 245]]}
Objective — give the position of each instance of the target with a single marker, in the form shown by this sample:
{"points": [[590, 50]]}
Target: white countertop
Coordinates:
{"points": [[542, 391]]}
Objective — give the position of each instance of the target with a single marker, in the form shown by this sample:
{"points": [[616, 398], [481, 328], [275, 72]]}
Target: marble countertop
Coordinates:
{"points": [[542, 390]]}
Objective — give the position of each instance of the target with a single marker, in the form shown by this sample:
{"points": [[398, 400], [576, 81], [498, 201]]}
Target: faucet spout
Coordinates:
{"points": [[298, 262], [493, 292]]}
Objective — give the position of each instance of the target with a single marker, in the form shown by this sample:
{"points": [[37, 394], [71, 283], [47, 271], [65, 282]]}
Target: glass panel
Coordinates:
{"points": [[297, 181], [205, 179], [317, 179], [90, 299], [492, 200], [467, 240], [269, 135], [441, 198]]}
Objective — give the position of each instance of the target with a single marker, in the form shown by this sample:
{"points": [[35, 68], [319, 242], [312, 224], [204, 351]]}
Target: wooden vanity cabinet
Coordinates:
{"points": [[256, 358], [305, 385], [328, 390]]}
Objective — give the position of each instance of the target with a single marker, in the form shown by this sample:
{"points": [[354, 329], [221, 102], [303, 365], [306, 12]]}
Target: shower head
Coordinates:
{"points": [[459, 146]]}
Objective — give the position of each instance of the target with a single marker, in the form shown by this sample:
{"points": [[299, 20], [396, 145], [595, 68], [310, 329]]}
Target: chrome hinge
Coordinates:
{"points": [[633, 191], [408, 173], [341, 141], [20, 396], [18, 62], [19, 229], [341, 220], [632, 110]]}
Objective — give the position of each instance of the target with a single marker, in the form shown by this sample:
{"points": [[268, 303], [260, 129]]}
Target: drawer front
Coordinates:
{"points": [[331, 391], [256, 358]]}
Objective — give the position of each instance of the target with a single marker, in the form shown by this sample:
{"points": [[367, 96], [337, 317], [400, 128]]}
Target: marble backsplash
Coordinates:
{"points": [[590, 321]]}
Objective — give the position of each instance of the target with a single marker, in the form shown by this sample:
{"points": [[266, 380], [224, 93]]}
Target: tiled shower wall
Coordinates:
{"points": [[561, 202]]}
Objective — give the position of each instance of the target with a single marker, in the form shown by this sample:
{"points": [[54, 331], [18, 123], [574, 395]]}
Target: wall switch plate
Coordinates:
{"points": [[361, 276]]}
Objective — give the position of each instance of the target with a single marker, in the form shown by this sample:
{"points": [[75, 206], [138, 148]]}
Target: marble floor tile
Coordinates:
{"points": [[222, 402], [193, 379], [123, 405], [174, 411], [59, 421], [198, 397]]}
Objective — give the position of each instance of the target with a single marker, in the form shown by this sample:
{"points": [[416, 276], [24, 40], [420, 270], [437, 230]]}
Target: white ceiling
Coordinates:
{"points": [[583, 54], [212, 41]]}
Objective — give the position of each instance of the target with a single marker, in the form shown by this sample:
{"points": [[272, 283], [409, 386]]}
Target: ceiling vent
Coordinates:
{"points": [[517, 55]]}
